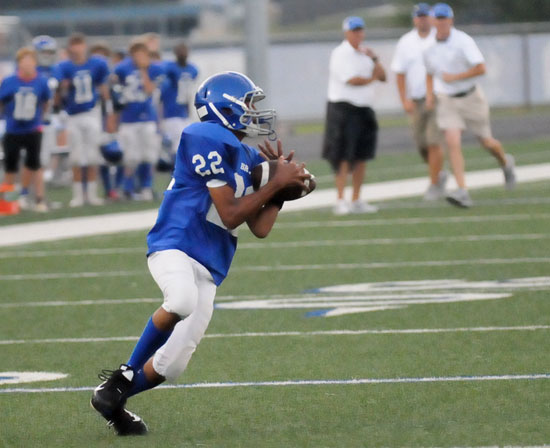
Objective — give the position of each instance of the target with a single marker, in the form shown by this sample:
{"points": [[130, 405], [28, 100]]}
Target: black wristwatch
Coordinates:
{"points": [[375, 59]]}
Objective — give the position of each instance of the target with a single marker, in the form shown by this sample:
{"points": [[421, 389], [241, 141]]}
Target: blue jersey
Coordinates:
{"points": [[208, 155], [177, 89], [52, 74], [137, 105], [84, 82], [23, 102]]}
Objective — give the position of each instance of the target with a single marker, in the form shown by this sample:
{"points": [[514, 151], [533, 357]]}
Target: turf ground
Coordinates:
{"points": [[431, 367]]}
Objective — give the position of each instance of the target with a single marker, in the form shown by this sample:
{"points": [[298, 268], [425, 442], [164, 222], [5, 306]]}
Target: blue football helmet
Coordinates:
{"points": [[228, 98], [111, 151], [46, 49]]}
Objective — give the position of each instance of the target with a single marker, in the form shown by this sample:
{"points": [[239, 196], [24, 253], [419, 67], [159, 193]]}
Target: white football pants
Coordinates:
{"points": [[189, 291], [140, 142], [84, 133], [173, 127]]}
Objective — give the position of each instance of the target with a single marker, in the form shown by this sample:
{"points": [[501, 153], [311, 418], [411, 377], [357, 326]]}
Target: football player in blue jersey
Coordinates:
{"points": [[176, 93], [52, 153], [138, 78], [192, 244], [24, 98], [83, 79], [111, 170]]}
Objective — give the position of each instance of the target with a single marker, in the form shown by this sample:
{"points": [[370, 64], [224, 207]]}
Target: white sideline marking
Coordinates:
{"points": [[288, 244], [384, 265], [293, 333], [351, 382], [58, 229], [54, 303], [29, 377], [299, 267], [525, 283], [411, 221]]}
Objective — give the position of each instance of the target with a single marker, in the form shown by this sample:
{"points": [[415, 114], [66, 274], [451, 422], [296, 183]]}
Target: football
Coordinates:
{"points": [[264, 172]]}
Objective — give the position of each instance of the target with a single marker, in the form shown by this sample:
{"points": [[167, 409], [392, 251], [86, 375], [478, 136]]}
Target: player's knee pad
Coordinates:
{"points": [[180, 298]]}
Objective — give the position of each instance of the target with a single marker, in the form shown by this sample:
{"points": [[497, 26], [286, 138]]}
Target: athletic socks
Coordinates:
{"points": [[105, 178], [128, 185], [145, 175], [151, 339], [140, 383], [119, 176], [78, 192]]}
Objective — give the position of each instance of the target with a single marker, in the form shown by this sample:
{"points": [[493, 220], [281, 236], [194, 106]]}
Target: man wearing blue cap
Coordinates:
{"points": [[351, 128], [454, 64], [408, 65]]}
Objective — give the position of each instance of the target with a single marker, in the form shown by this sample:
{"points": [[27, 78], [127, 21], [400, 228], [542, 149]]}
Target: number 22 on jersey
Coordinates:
{"points": [[200, 164]]}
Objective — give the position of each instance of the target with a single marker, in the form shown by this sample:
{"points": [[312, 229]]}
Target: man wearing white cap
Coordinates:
{"points": [[351, 128], [454, 64], [408, 65]]}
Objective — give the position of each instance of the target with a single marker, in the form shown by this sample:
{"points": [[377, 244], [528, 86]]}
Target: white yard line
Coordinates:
{"points": [[413, 221], [291, 334], [294, 268], [295, 383], [287, 244], [58, 229]]}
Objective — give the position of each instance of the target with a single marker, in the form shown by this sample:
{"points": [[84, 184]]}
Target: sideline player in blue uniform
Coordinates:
{"points": [[24, 97], [51, 153], [192, 244], [176, 94], [83, 79], [138, 78]]}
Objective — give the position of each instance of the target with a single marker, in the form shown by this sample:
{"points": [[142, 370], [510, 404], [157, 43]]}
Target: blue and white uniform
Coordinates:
{"points": [[209, 156], [84, 123], [23, 102], [138, 119], [177, 91], [54, 124], [189, 249]]}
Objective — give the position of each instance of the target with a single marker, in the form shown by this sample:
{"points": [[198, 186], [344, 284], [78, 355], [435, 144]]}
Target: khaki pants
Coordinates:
{"points": [[424, 127], [468, 112]]}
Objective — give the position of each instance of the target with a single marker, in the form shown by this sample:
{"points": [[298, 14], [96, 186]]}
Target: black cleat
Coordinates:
{"points": [[126, 423], [110, 396]]}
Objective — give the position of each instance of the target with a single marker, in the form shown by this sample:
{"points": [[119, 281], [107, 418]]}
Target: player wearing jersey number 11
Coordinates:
{"points": [[192, 244]]}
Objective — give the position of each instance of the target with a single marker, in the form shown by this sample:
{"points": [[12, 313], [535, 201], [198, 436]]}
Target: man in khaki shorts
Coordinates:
{"points": [[453, 64], [408, 65]]}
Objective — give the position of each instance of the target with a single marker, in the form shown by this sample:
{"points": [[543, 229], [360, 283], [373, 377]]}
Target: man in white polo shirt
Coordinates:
{"points": [[453, 64], [351, 128], [408, 65]]}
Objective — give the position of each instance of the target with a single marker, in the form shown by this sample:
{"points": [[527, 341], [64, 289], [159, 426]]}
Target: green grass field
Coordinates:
{"points": [[79, 289]]}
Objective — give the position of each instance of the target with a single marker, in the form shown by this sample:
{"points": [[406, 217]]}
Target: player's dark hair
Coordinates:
{"points": [[181, 51], [76, 38], [101, 48], [138, 46]]}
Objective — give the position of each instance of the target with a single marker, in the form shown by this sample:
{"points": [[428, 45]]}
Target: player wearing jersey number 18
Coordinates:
{"points": [[24, 97], [192, 244]]}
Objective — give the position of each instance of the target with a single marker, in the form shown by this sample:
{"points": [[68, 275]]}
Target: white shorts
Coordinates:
{"points": [[84, 132], [173, 127], [49, 143], [140, 142], [189, 290]]}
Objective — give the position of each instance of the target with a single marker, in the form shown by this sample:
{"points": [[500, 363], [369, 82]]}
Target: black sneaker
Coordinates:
{"points": [[110, 396], [126, 423]]}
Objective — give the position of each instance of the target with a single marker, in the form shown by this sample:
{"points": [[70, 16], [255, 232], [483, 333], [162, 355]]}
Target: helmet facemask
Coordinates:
{"points": [[254, 122], [46, 58]]}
